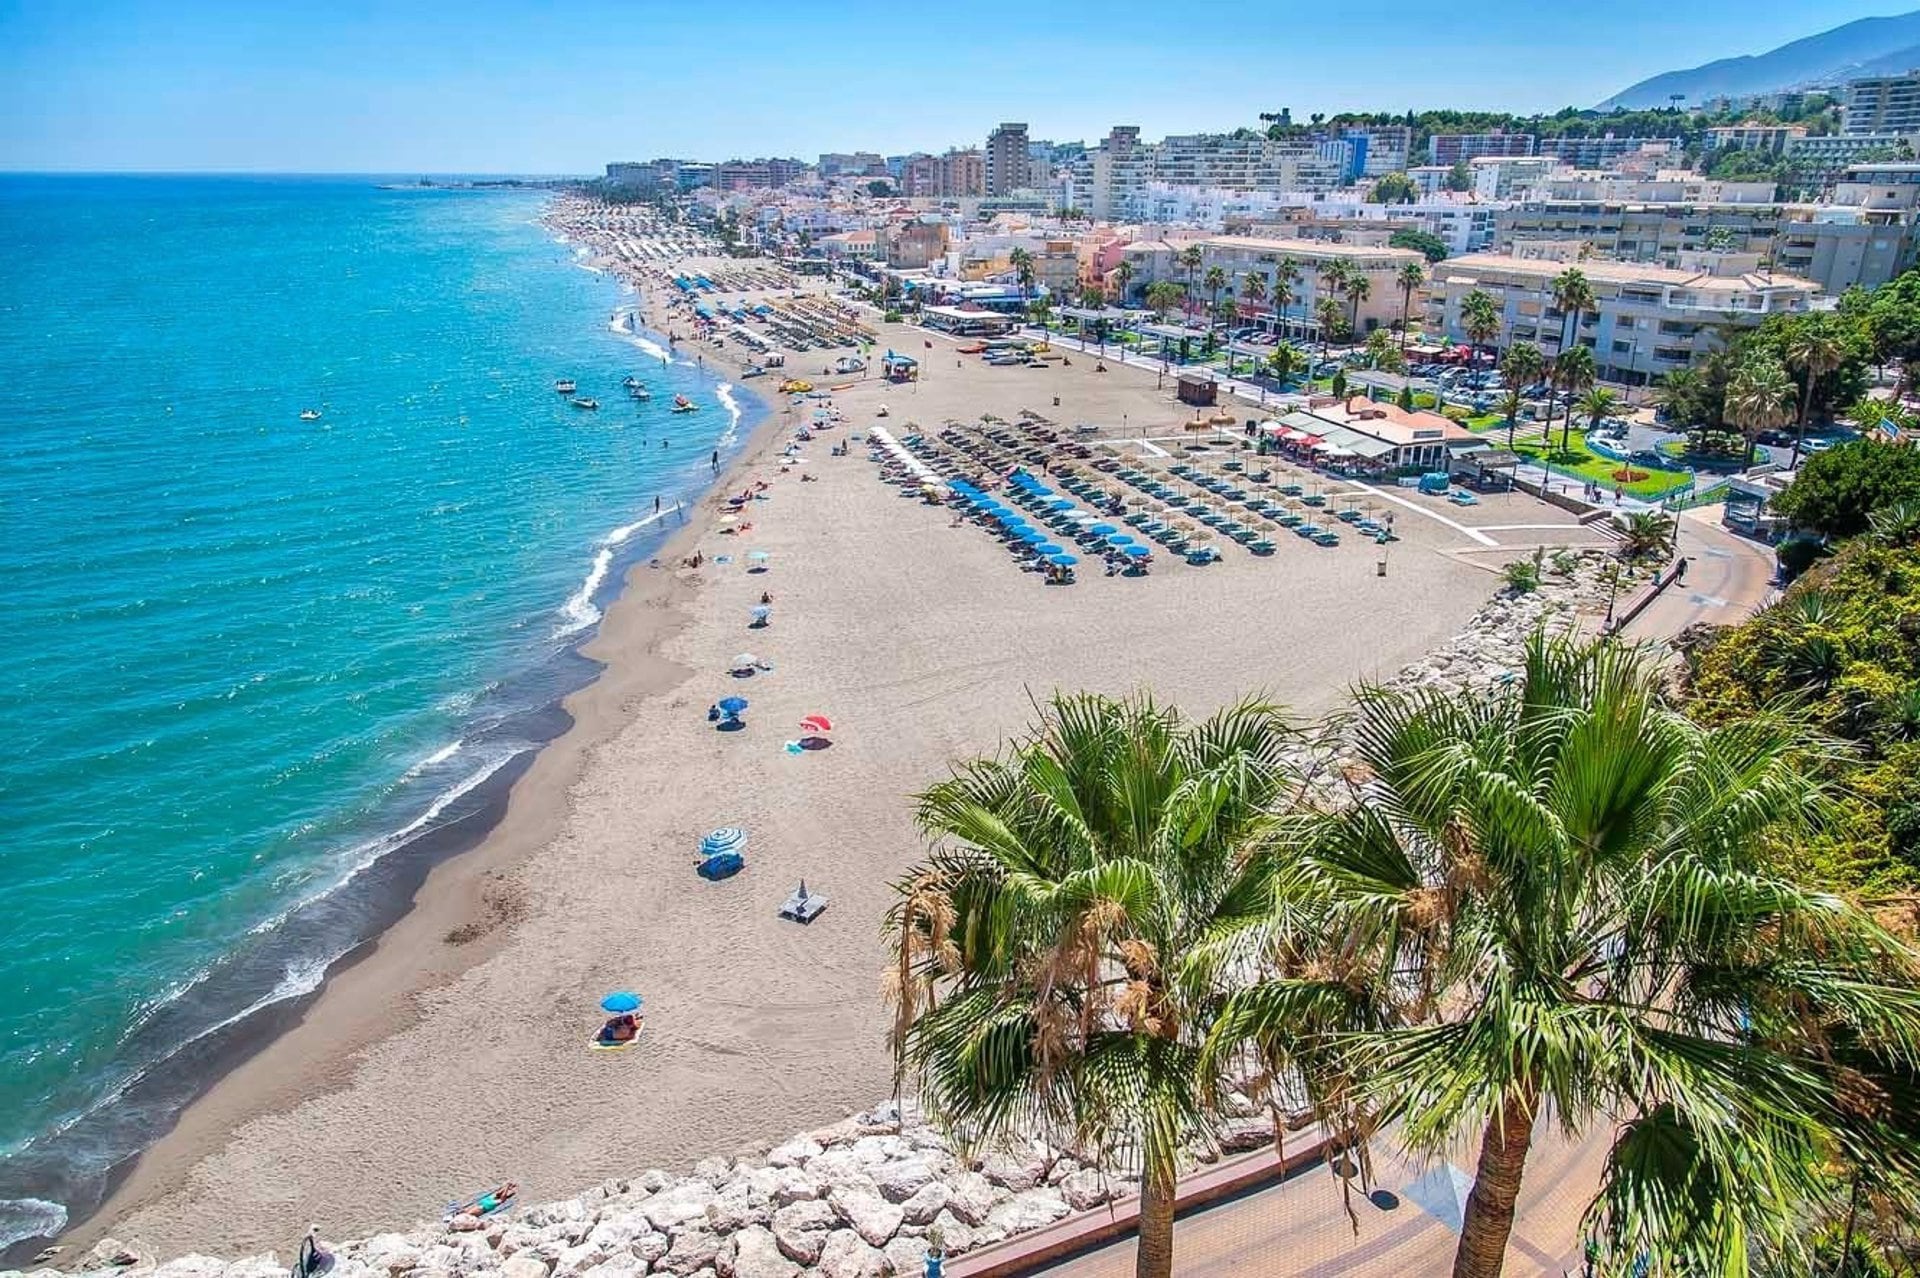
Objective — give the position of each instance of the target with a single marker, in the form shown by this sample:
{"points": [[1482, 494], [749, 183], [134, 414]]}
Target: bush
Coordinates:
{"points": [[891, 317], [1522, 575], [1796, 555]]}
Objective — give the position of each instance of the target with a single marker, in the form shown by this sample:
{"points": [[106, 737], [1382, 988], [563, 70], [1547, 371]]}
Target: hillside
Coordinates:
{"points": [[1865, 47]]}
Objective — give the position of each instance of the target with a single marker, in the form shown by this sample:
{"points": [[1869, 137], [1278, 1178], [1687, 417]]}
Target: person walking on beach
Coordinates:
{"points": [[656, 503], [716, 461]]}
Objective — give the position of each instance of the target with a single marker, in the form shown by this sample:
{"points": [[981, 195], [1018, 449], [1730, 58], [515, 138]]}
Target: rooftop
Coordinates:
{"points": [[1308, 248], [1463, 267]]}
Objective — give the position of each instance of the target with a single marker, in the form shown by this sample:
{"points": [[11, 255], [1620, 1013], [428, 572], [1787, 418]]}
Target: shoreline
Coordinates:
{"points": [[420, 876]]}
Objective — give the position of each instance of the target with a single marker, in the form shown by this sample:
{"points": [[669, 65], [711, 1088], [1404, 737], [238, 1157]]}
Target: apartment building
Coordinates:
{"points": [[963, 174], [920, 176], [1451, 148], [1603, 151], [1770, 139], [1124, 178], [1502, 177], [1648, 320], [1824, 159], [1382, 148], [1007, 168], [1240, 256], [1882, 104]]}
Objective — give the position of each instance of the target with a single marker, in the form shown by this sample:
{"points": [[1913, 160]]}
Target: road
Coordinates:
{"points": [[1728, 577]]}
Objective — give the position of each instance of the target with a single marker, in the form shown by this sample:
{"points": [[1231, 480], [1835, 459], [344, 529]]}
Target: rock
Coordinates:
{"points": [[524, 1265], [1085, 1189], [1240, 1135], [714, 1171], [801, 1230], [393, 1253], [111, 1253], [902, 1179], [617, 1232], [267, 1265], [1014, 1172], [757, 1255], [1062, 1168], [794, 1153], [970, 1196], [576, 1260], [840, 1166], [650, 1246], [844, 1132], [1028, 1209], [195, 1265], [907, 1257], [464, 1223], [621, 1266], [874, 1218], [678, 1205], [926, 1204], [693, 1249], [567, 1209], [735, 1209], [653, 1180], [794, 1185], [874, 1150], [956, 1235], [846, 1255]]}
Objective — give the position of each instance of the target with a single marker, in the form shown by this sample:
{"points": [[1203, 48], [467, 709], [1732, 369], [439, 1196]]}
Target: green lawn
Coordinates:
{"points": [[1577, 459]]}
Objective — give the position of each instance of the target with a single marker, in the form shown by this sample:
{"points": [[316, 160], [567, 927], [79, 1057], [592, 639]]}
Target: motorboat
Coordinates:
{"points": [[585, 402], [309, 414], [640, 393], [630, 381], [564, 386], [681, 404]]}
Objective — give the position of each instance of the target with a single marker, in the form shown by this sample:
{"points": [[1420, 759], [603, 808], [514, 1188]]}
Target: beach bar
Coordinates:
{"points": [[963, 322]]}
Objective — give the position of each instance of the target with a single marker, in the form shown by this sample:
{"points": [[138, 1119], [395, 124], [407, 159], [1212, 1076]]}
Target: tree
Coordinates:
{"points": [[1054, 968], [1549, 900], [1253, 288], [1394, 188], [1573, 372], [1573, 297], [1425, 243], [1410, 277], [1327, 311], [1646, 535], [1521, 366], [1598, 404], [1479, 318], [1338, 386], [1404, 400], [1284, 362], [1459, 177], [1332, 275], [1190, 258], [879, 188], [1382, 354], [1092, 296], [1813, 350], [1216, 279], [1122, 274], [1837, 492], [1759, 398], [1022, 262], [1286, 276], [1511, 402], [1358, 288], [1163, 296]]}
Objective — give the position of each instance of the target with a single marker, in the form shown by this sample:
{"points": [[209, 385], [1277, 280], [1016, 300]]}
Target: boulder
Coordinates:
{"points": [[267, 1265], [901, 1179], [653, 1180], [111, 1253], [650, 1246], [1016, 1172], [956, 1235], [713, 1170], [794, 1185], [801, 1229], [194, 1265], [693, 1249], [874, 1218], [874, 1150], [795, 1153], [757, 1255], [524, 1265], [1085, 1189], [1240, 1135], [617, 1230], [971, 1196], [929, 1201], [625, 1265], [393, 1253], [847, 1255], [907, 1257], [676, 1206], [1028, 1209], [735, 1208]]}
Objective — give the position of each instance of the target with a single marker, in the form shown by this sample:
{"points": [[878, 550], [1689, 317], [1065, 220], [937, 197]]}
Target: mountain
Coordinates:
{"points": [[1870, 46]]}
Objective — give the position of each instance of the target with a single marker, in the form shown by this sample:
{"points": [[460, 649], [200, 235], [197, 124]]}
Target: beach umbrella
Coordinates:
{"points": [[624, 1001], [761, 612], [757, 556], [1136, 552], [1048, 548], [728, 838], [1062, 503], [1032, 536], [1120, 539], [744, 661], [1103, 530], [1065, 561], [816, 723], [732, 705]]}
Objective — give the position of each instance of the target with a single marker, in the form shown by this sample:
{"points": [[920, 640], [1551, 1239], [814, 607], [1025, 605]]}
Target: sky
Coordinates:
{"points": [[491, 86]]}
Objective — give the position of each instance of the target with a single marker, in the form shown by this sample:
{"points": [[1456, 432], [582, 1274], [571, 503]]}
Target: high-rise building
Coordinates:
{"points": [[1451, 148], [1387, 148], [963, 174], [1007, 159], [920, 176], [1883, 104], [1598, 153]]}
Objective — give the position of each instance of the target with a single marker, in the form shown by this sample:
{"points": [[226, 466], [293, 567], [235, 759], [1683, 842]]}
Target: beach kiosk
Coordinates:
{"points": [[899, 368], [1199, 389]]}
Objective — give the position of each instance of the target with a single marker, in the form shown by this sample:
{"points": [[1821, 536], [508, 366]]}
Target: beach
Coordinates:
{"points": [[454, 1054]]}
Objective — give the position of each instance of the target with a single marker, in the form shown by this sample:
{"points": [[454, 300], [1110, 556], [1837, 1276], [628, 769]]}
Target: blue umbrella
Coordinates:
{"points": [[1103, 529], [1065, 561], [732, 705], [624, 1001], [1136, 552], [1047, 548], [1039, 491], [1119, 539], [728, 838], [1032, 536], [1062, 503]]}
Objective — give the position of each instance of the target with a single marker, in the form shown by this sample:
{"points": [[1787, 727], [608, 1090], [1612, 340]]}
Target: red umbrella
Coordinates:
{"points": [[816, 723]]}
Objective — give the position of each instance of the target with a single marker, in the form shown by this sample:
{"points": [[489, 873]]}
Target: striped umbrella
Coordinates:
{"points": [[729, 838]]}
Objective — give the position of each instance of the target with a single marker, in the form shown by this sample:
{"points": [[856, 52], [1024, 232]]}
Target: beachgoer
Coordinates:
{"points": [[716, 459], [1680, 568], [656, 503], [766, 597]]}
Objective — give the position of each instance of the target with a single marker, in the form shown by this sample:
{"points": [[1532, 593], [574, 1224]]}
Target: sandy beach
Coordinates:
{"points": [[454, 1055]]}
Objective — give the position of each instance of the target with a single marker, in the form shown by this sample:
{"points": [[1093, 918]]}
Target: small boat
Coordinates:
{"points": [[630, 381], [309, 414], [641, 393], [681, 404], [584, 402], [564, 386]]}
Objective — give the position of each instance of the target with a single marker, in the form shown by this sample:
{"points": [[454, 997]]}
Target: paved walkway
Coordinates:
{"points": [[1728, 577], [1406, 1228]]}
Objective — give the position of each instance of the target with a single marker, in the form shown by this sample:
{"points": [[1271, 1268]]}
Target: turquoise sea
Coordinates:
{"points": [[255, 672]]}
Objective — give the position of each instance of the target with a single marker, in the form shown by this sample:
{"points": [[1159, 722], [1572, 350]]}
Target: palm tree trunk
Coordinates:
{"points": [[1153, 1255], [1488, 1221], [1406, 318], [1806, 411]]}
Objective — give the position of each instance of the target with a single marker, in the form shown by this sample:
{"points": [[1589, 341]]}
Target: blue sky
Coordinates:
{"points": [[558, 87]]}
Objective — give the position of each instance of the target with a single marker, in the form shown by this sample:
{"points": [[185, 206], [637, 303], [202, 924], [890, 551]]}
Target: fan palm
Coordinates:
{"points": [[1253, 288], [1358, 288], [1022, 262], [1327, 311], [1286, 275], [1573, 296], [1598, 404], [1813, 350], [1479, 318], [1122, 273], [1190, 258], [1055, 960], [1216, 279], [1647, 533], [1573, 371], [1410, 277], [1759, 398], [1555, 889], [1522, 366], [1332, 277]]}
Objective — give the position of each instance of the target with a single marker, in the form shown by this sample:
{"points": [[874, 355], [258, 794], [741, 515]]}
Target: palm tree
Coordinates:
{"points": [[1511, 402], [1190, 258], [1573, 296], [1054, 969], [1284, 362], [1814, 349], [1286, 275], [1327, 311], [1358, 288], [1216, 279], [1647, 534], [1163, 296], [1521, 366], [1253, 288], [1411, 276], [1553, 899], [1598, 404], [1022, 262], [1332, 277], [1122, 273], [1479, 319], [1759, 398], [1573, 370]]}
